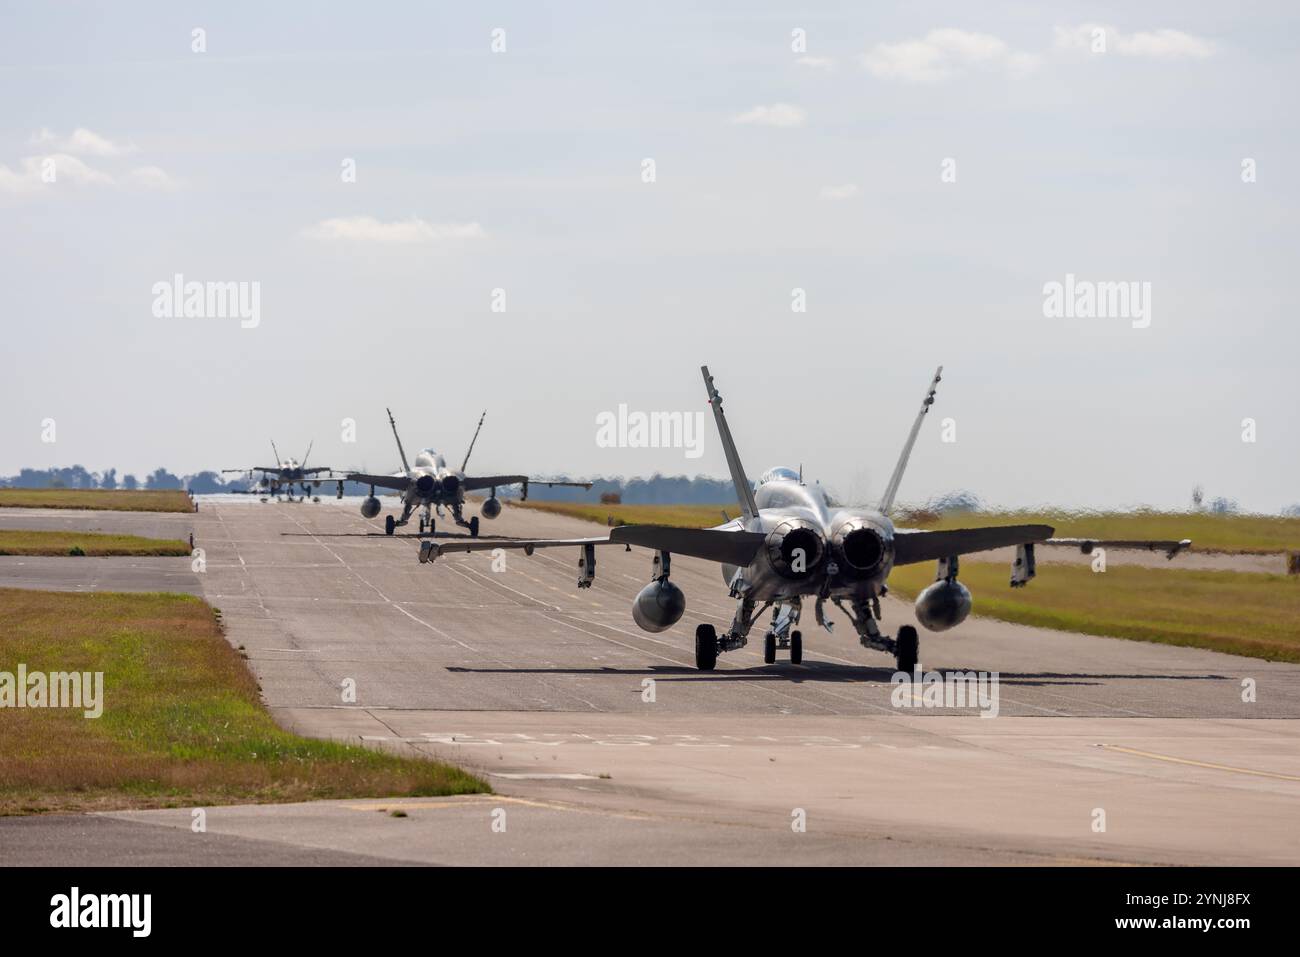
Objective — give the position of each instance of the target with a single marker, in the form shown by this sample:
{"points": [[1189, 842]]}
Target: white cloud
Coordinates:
{"points": [[778, 114], [368, 229], [817, 62], [32, 172], [1158, 44], [847, 191], [151, 177], [82, 142], [941, 54]]}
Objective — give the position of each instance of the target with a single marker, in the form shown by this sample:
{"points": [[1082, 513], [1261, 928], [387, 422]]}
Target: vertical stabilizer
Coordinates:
{"points": [[400, 451], [468, 452], [743, 492], [887, 500]]}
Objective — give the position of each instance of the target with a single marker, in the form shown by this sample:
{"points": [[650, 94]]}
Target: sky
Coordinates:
{"points": [[549, 211]]}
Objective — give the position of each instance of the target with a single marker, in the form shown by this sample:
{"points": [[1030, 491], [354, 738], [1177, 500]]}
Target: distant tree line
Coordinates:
{"points": [[658, 489]]}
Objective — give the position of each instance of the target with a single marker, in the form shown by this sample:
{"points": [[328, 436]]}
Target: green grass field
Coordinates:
{"points": [[182, 722], [15, 542], [1242, 614], [1261, 534], [114, 500]]}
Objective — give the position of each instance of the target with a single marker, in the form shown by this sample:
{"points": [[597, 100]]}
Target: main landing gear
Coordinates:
{"points": [[905, 647], [458, 513]]}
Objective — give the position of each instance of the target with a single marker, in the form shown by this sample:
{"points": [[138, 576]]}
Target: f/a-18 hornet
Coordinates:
{"points": [[288, 474], [791, 543], [430, 485]]}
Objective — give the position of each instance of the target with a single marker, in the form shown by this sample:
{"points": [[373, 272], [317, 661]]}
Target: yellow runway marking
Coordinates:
{"points": [[1201, 764]]}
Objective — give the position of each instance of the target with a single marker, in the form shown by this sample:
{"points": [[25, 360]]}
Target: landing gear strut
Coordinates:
{"points": [[708, 644], [458, 513], [906, 647]]}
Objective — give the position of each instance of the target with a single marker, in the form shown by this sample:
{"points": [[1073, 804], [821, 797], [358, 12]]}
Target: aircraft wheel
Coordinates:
{"points": [[430, 526], [769, 649], [796, 647], [908, 650], [706, 647], [390, 523], [473, 527]]}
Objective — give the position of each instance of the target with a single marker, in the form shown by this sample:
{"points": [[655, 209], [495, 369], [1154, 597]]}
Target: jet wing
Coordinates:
{"points": [[527, 544], [1086, 545], [911, 547], [713, 544], [471, 483], [398, 482], [716, 545]]}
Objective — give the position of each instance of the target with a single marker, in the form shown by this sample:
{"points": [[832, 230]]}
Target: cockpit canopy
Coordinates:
{"points": [[779, 474], [429, 458]]}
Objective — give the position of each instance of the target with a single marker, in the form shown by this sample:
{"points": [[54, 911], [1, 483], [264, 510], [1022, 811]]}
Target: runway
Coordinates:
{"points": [[607, 746]]}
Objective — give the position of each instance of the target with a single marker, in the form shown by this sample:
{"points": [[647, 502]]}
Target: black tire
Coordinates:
{"points": [[706, 647], [473, 527], [769, 649], [907, 649], [390, 523], [796, 647]]}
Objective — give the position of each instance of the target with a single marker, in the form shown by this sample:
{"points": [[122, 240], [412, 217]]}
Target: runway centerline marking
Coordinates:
{"points": [[1200, 764]]}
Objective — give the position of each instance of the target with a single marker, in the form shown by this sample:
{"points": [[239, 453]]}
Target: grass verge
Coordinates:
{"points": [[1255, 615], [22, 542], [99, 499], [182, 722]]}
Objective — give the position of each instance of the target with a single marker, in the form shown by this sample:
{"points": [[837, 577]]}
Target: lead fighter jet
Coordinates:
{"points": [[431, 485], [792, 545]]}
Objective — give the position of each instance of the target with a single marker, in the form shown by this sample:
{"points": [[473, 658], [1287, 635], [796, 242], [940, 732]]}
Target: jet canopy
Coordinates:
{"points": [[779, 474]]}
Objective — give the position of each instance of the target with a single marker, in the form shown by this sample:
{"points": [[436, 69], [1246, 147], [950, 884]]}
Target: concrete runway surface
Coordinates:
{"points": [[542, 688]]}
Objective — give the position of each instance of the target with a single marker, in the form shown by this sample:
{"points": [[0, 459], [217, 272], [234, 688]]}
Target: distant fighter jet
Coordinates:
{"points": [[792, 544], [432, 485], [288, 474]]}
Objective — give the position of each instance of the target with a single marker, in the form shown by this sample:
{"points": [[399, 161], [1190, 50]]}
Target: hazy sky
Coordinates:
{"points": [[775, 169]]}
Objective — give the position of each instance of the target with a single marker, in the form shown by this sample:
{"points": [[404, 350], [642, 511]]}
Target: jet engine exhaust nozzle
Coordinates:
{"points": [[795, 548], [860, 547]]}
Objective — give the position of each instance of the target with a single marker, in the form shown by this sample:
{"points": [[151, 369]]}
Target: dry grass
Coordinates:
{"points": [[14, 542], [111, 500], [1242, 614], [182, 725]]}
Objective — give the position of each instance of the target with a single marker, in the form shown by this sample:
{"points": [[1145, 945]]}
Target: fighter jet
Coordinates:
{"points": [[792, 545], [431, 485], [288, 474]]}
